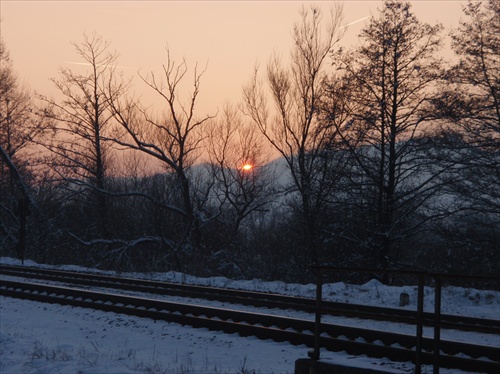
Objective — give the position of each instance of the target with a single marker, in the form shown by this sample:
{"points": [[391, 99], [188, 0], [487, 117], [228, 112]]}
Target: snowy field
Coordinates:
{"points": [[46, 338]]}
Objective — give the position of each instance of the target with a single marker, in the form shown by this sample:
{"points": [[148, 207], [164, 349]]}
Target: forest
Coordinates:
{"points": [[388, 157]]}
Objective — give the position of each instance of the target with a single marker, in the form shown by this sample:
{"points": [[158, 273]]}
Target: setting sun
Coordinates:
{"points": [[247, 167]]}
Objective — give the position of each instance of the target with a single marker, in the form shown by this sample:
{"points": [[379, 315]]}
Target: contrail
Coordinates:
{"points": [[352, 23], [98, 65]]}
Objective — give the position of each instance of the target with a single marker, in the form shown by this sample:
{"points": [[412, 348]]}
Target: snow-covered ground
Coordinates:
{"points": [[46, 338]]}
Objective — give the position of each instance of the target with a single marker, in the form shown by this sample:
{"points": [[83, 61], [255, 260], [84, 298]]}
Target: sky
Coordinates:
{"points": [[228, 37], [37, 337]]}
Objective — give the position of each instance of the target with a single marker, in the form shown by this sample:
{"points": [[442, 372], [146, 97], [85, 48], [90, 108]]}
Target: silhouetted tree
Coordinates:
{"points": [[475, 79], [385, 86], [174, 139], [293, 128], [20, 127], [242, 176], [81, 157], [473, 100], [470, 105]]}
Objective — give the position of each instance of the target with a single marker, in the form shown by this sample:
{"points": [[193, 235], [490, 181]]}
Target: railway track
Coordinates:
{"points": [[258, 299], [356, 341], [397, 347]]}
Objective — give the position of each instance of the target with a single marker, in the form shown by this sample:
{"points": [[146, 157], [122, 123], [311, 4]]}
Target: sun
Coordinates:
{"points": [[247, 167]]}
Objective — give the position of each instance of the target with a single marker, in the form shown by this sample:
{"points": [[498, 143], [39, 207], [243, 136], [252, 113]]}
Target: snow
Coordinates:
{"points": [[46, 338]]}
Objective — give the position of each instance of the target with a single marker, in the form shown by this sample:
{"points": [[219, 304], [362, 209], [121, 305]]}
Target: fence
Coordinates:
{"points": [[421, 277]]}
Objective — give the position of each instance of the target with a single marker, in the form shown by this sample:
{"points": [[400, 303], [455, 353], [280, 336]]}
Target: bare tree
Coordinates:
{"points": [[472, 101], [16, 108], [475, 80], [240, 167], [470, 105], [172, 138], [20, 127], [293, 128], [389, 81], [20, 123], [81, 157]]}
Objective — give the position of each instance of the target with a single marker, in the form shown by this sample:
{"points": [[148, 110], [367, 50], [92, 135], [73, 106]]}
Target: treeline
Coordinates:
{"points": [[389, 157]]}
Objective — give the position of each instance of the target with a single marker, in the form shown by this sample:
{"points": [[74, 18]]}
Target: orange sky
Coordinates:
{"points": [[231, 36]]}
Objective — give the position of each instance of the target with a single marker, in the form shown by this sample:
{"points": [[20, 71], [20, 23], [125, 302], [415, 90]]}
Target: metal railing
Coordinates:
{"points": [[421, 277]]}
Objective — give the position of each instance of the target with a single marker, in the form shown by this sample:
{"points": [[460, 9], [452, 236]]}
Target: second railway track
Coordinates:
{"points": [[258, 299]]}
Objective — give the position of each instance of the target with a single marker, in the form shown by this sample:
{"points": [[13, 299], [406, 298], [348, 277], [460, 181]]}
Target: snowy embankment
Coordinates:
{"points": [[42, 338]]}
